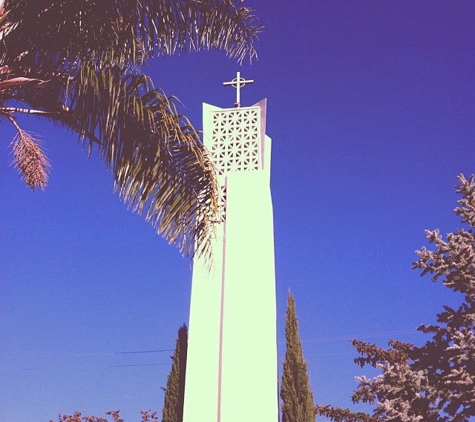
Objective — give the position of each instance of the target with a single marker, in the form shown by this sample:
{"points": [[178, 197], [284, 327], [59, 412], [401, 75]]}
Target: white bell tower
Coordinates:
{"points": [[232, 349]]}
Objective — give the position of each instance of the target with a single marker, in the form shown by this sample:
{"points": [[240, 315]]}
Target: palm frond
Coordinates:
{"points": [[30, 160], [160, 167], [122, 31], [76, 62]]}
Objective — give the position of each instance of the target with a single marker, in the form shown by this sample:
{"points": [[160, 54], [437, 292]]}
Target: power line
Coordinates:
{"points": [[86, 354], [369, 335]]}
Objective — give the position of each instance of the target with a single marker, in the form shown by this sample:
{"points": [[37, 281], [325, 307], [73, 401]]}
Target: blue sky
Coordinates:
{"points": [[371, 110]]}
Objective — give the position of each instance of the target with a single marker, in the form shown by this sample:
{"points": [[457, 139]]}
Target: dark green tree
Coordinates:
{"points": [[295, 391], [434, 382], [175, 391]]}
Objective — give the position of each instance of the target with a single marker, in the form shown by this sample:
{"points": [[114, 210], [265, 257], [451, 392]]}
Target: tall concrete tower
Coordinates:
{"points": [[231, 371]]}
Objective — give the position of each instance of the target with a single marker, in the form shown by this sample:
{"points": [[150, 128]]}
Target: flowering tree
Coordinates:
{"points": [[434, 382], [112, 416]]}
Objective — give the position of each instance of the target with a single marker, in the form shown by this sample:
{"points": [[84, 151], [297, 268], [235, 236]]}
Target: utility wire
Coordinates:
{"points": [[86, 354]]}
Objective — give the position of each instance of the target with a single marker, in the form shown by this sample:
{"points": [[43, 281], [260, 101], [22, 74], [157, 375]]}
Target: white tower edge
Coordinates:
{"points": [[232, 348]]}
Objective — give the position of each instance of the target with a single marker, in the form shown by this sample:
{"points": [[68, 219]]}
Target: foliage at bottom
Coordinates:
{"points": [[112, 416]]}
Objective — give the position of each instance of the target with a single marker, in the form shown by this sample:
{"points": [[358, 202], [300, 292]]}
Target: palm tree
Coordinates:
{"points": [[79, 64]]}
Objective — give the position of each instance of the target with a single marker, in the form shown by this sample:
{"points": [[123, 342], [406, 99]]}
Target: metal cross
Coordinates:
{"points": [[237, 83]]}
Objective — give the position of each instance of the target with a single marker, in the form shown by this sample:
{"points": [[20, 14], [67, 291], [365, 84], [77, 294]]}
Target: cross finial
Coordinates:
{"points": [[238, 83]]}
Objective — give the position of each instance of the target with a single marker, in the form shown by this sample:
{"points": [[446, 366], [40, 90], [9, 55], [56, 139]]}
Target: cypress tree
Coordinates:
{"points": [[295, 391], [175, 391]]}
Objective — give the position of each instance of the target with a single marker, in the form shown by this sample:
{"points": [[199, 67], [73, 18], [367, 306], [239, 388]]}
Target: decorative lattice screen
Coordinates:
{"points": [[235, 145]]}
